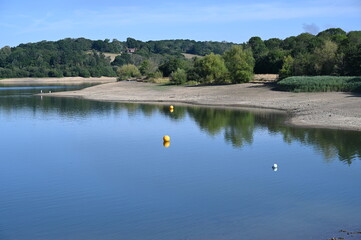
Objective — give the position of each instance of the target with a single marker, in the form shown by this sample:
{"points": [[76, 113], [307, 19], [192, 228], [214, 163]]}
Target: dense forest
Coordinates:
{"points": [[330, 52]]}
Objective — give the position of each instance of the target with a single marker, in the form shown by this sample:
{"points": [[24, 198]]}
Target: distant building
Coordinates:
{"points": [[131, 50]]}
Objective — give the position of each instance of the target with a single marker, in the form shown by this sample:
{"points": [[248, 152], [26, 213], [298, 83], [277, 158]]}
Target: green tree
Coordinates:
{"points": [[145, 67], [273, 43], [240, 64], [128, 71], [351, 50], [353, 61], [132, 43], [303, 65], [211, 69], [287, 68], [171, 65], [325, 58], [258, 47], [260, 51], [179, 76], [122, 59], [334, 34], [272, 62]]}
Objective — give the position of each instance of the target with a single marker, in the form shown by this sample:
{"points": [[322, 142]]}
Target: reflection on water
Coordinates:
{"points": [[78, 169], [237, 126]]}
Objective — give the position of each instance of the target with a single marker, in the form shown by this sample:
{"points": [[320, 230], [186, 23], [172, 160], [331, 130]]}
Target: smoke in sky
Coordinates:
{"points": [[311, 28]]}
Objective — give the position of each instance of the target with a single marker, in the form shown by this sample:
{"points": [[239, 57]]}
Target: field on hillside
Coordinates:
{"points": [[110, 55], [190, 56]]}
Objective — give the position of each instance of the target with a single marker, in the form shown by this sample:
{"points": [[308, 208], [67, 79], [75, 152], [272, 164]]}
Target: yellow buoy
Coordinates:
{"points": [[171, 107], [166, 144], [166, 138]]}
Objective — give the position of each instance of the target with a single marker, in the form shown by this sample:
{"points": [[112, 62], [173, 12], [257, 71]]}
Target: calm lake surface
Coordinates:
{"points": [[77, 169]]}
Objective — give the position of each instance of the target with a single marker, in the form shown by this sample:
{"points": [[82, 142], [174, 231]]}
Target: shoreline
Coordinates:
{"points": [[332, 110]]}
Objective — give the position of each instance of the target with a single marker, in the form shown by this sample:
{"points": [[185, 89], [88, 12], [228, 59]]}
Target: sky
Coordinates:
{"points": [[213, 20]]}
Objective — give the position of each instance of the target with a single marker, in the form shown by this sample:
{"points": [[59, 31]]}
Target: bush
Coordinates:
{"points": [[171, 66], [210, 69], [128, 71], [179, 76], [156, 74], [320, 84]]}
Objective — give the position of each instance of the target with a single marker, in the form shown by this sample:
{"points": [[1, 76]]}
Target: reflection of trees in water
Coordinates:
{"points": [[18, 99], [240, 129], [345, 145], [178, 114], [237, 126], [210, 120]]}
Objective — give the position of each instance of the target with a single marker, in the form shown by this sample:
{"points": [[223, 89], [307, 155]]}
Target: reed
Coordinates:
{"points": [[320, 84]]}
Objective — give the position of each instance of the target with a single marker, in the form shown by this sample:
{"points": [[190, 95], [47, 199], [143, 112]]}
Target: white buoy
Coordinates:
{"points": [[274, 167], [49, 91], [41, 91]]}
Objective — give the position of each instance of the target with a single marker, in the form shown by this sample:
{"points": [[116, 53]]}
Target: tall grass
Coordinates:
{"points": [[160, 80], [320, 84]]}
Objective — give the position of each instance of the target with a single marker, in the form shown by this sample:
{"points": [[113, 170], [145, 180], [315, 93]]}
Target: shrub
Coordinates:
{"points": [[156, 74], [179, 76], [210, 69], [171, 66], [128, 71]]}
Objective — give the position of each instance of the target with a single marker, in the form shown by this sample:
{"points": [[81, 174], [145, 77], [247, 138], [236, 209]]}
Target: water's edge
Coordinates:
{"points": [[289, 121]]}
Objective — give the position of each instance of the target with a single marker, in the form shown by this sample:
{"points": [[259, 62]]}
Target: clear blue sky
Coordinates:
{"points": [[217, 20]]}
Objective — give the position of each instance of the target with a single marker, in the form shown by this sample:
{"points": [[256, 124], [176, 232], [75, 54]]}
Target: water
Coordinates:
{"points": [[76, 169]]}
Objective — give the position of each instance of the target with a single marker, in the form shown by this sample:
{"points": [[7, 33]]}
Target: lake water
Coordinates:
{"points": [[77, 169]]}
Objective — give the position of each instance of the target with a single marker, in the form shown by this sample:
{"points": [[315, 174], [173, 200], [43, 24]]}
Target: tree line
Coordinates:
{"points": [[331, 52]]}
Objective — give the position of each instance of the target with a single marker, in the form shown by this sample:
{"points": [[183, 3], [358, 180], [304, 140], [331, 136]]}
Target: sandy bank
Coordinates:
{"points": [[325, 110], [64, 80]]}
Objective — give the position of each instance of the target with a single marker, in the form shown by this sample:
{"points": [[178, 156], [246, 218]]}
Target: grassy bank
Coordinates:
{"points": [[320, 84]]}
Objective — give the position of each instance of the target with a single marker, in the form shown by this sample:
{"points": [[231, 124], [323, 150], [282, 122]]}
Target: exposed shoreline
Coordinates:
{"points": [[337, 110]]}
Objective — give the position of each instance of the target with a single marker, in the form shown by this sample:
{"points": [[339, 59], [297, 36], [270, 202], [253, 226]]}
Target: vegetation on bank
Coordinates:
{"points": [[320, 84], [128, 71], [234, 66]]}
